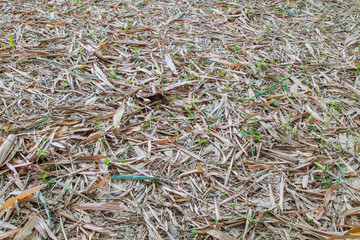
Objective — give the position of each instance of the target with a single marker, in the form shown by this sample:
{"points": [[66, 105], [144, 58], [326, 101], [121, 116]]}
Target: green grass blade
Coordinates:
{"points": [[271, 88], [30, 125], [288, 11], [133, 177], [12, 42]]}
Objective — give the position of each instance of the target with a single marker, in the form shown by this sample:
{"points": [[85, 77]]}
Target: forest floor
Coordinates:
{"points": [[179, 119]]}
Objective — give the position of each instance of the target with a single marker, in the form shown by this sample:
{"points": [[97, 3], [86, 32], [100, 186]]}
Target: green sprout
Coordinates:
{"points": [[107, 161], [12, 42], [43, 176], [41, 153]]}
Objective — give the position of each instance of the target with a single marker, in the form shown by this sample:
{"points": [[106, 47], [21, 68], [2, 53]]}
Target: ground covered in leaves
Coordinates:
{"points": [[179, 119]]}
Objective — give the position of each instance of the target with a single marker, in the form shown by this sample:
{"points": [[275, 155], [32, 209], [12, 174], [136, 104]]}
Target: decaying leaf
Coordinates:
{"points": [[179, 119]]}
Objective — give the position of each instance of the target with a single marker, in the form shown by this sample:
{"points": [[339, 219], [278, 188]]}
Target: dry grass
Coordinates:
{"points": [[179, 119]]}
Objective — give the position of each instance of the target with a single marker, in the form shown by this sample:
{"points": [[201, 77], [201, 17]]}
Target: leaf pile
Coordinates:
{"points": [[179, 119]]}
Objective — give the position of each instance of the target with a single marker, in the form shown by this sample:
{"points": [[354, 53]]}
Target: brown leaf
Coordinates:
{"points": [[200, 169], [326, 199], [217, 234], [343, 237], [97, 185], [350, 212], [7, 234], [99, 229], [94, 157], [258, 166], [21, 196], [103, 206], [152, 97], [167, 140], [94, 136], [102, 117]]}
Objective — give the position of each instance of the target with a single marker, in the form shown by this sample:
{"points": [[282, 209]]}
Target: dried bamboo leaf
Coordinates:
{"points": [[102, 76], [7, 234], [97, 185], [99, 229], [21, 196], [103, 206], [170, 64], [217, 234], [118, 116], [6, 148], [350, 212], [26, 231]]}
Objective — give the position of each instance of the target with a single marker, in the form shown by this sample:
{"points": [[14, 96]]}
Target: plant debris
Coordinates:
{"points": [[179, 119]]}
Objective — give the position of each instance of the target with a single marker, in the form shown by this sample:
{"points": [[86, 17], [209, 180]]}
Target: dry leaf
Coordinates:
{"points": [[94, 136], [354, 231], [7, 234], [326, 200], [167, 140], [102, 117], [28, 228], [170, 64], [99, 229], [217, 234], [93, 158], [21, 196], [97, 185], [103, 206], [118, 116], [230, 64], [258, 166], [152, 97], [357, 148], [6, 147], [102, 76], [350, 212], [200, 169]]}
